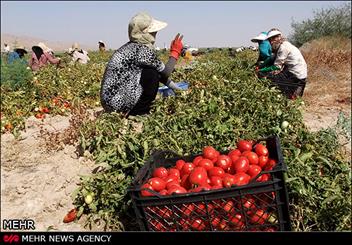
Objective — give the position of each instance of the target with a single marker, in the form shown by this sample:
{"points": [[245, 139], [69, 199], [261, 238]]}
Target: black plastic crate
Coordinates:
{"points": [[291, 89], [257, 206]]}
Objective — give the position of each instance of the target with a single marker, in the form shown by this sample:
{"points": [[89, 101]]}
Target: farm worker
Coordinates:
{"points": [[101, 46], [78, 54], [266, 57], [41, 56], [17, 54], [6, 48], [289, 64], [131, 79]]}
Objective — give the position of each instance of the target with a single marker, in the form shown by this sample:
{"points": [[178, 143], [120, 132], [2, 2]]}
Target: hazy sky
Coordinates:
{"points": [[203, 24]]}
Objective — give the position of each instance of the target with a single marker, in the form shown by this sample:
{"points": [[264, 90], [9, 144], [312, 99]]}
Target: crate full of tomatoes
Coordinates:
{"points": [[242, 189]]}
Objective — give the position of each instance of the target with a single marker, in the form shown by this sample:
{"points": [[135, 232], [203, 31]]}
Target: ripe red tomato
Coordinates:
{"points": [[175, 172], [198, 176], [263, 161], [263, 178], [187, 168], [244, 145], [237, 221], [248, 203], [209, 152], [234, 157], [228, 180], [198, 224], [261, 150], [254, 170], [215, 222], [216, 171], [157, 183], [170, 178], [185, 182], [196, 160], [70, 216], [270, 164], [259, 217], [241, 179], [172, 183], [252, 157], [206, 163], [235, 152], [224, 225], [163, 192], [160, 172], [176, 190], [187, 209], [241, 165], [179, 164], [146, 193], [223, 162], [228, 207]]}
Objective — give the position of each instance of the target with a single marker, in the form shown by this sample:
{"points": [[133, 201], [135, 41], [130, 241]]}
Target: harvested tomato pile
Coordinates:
{"points": [[212, 170]]}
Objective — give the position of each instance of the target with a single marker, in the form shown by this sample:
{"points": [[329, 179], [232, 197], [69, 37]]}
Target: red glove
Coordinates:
{"points": [[176, 46]]}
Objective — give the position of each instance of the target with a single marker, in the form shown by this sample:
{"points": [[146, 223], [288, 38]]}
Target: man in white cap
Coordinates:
{"points": [[132, 76], [289, 65], [78, 55]]}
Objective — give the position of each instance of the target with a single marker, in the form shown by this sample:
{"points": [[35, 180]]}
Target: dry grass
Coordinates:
{"points": [[329, 73]]}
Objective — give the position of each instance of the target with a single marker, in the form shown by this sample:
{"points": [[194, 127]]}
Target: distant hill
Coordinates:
{"points": [[28, 42]]}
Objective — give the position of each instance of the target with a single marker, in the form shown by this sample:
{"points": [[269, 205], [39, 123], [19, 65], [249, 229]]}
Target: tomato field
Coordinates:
{"points": [[225, 103]]}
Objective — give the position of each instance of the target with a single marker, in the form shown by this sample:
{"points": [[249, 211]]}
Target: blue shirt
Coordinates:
{"points": [[14, 56], [264, 50]]}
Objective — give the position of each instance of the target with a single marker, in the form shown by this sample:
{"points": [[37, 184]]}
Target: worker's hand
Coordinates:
{"points": [[176, 46]]}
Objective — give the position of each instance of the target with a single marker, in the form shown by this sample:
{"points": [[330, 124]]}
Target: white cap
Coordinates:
{"points": [[156, 25], [273, 34], [262, 36]]}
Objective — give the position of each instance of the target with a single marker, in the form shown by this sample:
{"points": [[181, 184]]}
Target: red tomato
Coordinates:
{"points": [[206, 163], [196, 160], [263, 178], [163, 192], [244, 145], [171, 184], [157, 183], [179, 164], [224, 225], [270, 165], [263, 161], [223, 162], [217, 187], [198, 176], [241, 179], [235, 152], [248, 203], [261, 150], [198, 224], [209, 152], [228, 207], [228, 180], [171, 178], [254, 170], [160, 172], [216, 171], [185, 182], [234, 157], [175, 172], [187, 168], [259, 217], [70, 216], [187, 209], [215, 222], [176, 190], [252, 157], [237, 221], [241, 165], [146, 193]]}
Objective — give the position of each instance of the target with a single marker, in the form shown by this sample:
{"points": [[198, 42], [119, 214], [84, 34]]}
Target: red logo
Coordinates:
{"points": [[11, 238]]}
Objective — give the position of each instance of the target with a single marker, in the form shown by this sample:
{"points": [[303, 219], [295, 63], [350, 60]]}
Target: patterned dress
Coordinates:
{"points": [[120, 88]]}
